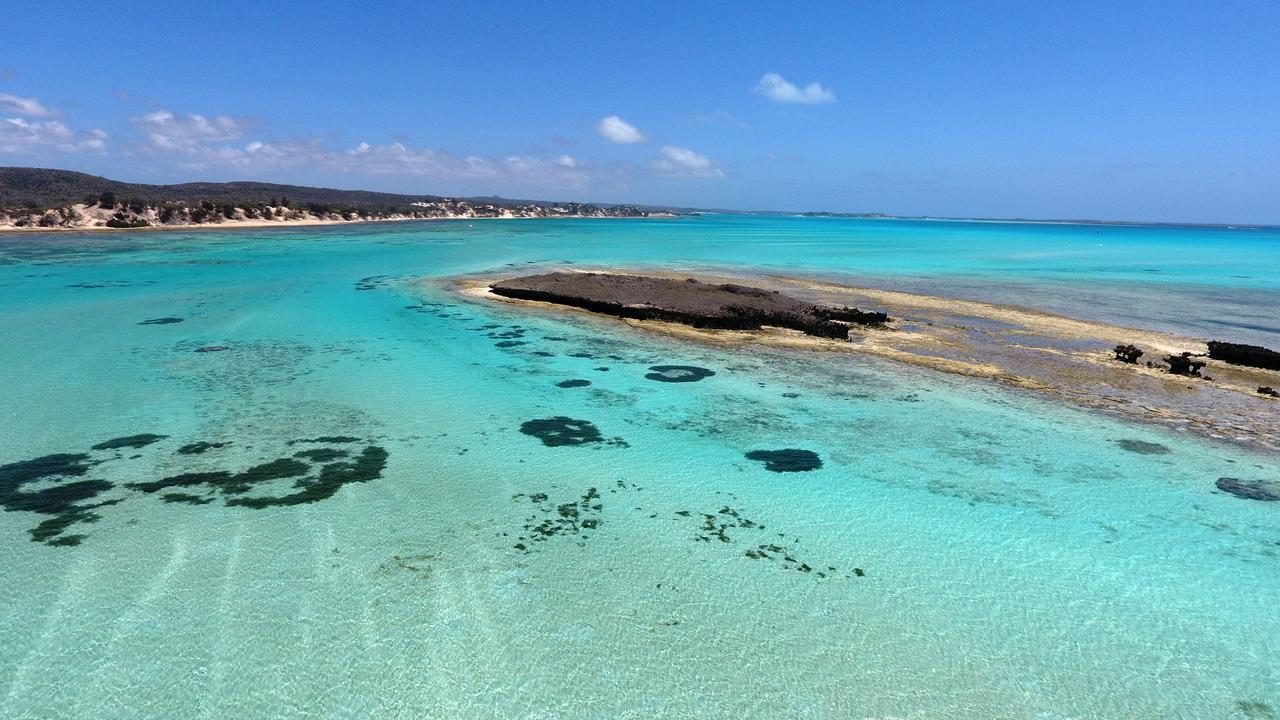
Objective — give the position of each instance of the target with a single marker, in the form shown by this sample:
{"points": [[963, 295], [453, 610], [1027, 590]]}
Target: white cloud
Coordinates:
{"points": [[259, 157], [685, 161], [21, 136], [777, 89], [221, 144], [615, 129], [168, 131], [26, 107]]}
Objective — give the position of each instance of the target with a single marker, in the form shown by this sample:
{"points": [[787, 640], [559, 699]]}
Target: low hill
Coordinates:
{"points": [[42, 198], [45, 188]]}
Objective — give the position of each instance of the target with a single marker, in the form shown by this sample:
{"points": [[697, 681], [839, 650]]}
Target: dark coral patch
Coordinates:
{"points": [[72, 502], [510, 343], [57, 465], [327, 439], [321, 454], [161, 321], [576, 518], [573, 383], [194, 479], [1265, 490], [186, 498], [63, 502], [199, 448], [129, 441], [211, 348], [367, 466], [1142, 447], [560, 431], [308, 488], [57, 498], [678, 373], [786, 460]]}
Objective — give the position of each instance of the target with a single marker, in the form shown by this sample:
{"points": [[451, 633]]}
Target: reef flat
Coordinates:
{"points": [[1073, 360], [722, 306]]}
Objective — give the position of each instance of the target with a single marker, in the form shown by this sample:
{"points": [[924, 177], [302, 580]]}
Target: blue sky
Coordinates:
{"points": [[1156, 111]]}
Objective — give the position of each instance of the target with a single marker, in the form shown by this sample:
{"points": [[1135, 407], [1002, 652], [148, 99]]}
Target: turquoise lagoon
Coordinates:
{"points": [[963, 551]]}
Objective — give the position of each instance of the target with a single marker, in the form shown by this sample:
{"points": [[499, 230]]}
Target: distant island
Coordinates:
{"points": [[49, 199]]}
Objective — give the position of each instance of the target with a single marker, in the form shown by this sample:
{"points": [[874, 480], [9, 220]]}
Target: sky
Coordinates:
{"points": [[1160, 111]]}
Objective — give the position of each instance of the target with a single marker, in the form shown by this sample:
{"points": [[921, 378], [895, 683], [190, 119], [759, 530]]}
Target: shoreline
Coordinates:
{"points": [[261, 224], [1065, 358]]}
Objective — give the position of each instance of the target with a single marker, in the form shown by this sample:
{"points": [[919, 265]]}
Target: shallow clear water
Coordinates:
{"points": [[963, 551]]}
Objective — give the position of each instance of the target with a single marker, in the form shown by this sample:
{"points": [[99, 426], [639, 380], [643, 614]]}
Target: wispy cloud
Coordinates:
{"points": [[684, 161], [615, 129], [26, 107], [35, 130], [224, 145], [260, 157], [19, 136], [168, 131], [778, 89]]}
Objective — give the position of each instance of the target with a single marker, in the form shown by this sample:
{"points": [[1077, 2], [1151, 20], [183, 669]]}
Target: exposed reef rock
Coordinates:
{"points": [[1127, 353], [1083, 363], [698, 304], [1184, 364], [1251, 355], [1265, 490], [1269, 391]]}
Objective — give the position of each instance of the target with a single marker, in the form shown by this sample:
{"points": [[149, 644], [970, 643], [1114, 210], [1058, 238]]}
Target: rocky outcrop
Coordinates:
{"points": [[1127, 353], [1184, 364], [1250, 355], [689, 302]]}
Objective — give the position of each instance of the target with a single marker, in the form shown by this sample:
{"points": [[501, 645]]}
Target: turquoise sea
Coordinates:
{"points": [[367, 497]]}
